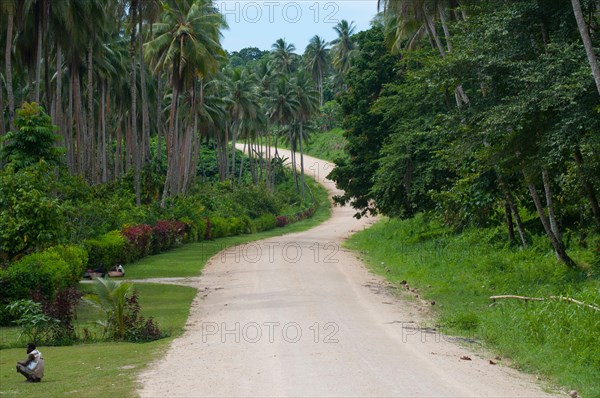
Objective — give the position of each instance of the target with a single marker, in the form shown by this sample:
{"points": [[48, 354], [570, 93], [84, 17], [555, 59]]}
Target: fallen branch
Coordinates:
{"points": [[556, 298]]}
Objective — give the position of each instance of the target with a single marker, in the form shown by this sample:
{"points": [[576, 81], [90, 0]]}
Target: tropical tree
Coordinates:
{"points": [[186, 45], [283, 56], [281, 110], [242, 92], [306, 97], [33, 140], [315, 56], [343, 46]]}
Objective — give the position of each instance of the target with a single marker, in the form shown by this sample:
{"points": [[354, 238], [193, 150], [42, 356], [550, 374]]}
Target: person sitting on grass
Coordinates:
{"points": [[32, 367]]}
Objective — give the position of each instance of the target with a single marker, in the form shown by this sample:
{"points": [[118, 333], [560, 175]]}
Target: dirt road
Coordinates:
{"points": [[300, 316]]}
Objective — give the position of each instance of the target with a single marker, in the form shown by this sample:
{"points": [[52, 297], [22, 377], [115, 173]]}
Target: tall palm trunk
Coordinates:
{"points": [[71, 148], [145, 117], [104, 118], [46, 5], [242, 162], [58, 107], [321, 87], [2, 131], [461, 96], [587, 42], [170, 143], [90, 113], [38, 61], [8, 65], [77, 110], [302, 163], [234, 130], [134, 130], [158, 119]]}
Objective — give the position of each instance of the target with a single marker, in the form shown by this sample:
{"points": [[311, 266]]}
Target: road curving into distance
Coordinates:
{"points": [[298, 315]]}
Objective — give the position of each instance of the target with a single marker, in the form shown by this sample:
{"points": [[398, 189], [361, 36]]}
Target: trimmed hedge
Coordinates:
{"points": [[43, 272], [107, 251]]}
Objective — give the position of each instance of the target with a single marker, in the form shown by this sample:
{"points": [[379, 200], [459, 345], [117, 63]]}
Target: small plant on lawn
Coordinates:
{"points": [[138, 328], [111, 296], [61, 307], [31, 320]]}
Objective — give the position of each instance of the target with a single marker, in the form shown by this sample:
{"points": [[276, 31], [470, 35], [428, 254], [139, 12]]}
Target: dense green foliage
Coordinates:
{"points": [[499, 122], [460, 273], [33, 140]]}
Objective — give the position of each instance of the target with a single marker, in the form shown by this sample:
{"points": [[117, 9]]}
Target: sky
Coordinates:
{"points": [[260, 23]]}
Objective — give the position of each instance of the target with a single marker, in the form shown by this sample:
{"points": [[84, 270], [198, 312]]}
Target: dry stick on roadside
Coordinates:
{"points": [[556, 298]]}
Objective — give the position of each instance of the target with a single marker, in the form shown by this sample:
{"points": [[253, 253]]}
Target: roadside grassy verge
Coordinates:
{"points": [[326, 145], [460, 273]]}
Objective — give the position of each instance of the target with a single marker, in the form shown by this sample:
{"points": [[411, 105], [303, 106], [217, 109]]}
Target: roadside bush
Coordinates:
{"points": [[107, 250], [76, 258], [139, 241], [45, 271], [282, 221], [265, 223], [219, 227], [167, 234]]}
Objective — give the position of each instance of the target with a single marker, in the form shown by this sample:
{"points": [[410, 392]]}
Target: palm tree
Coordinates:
{"points": [[186, 44], [242, 91], [315, 57], [282, 56], [413, 17], [307, 106], [343, 47], [282, 108], [112, 298]]}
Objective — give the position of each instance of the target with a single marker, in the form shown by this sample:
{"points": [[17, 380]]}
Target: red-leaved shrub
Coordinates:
{"points": [[139, 241]]}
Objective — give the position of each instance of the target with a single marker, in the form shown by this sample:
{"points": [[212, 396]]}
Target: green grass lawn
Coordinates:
{"points": [[461, 271], [104, 368], [84, 370]]}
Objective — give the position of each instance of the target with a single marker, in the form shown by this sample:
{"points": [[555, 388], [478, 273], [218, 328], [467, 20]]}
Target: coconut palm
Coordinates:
{"points": [[186, 45], [343, 46], [307, 106], [242, 92], [282, 56], [315, 56], [282, 108], [413, 19]]}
